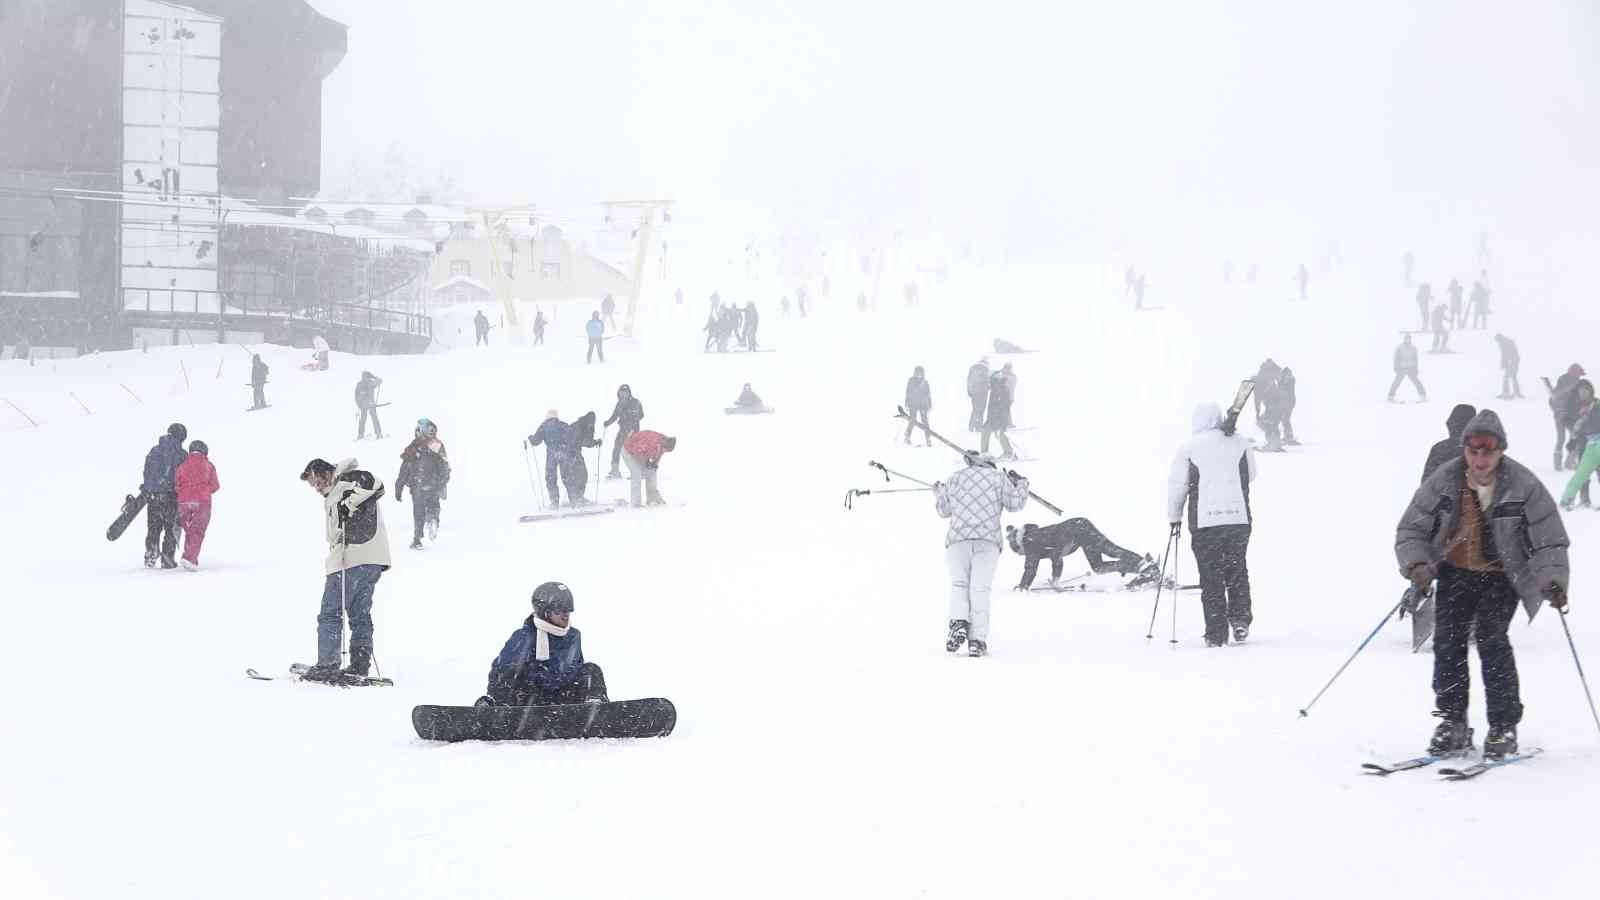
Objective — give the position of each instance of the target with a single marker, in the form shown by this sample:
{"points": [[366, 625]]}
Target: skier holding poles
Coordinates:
{"points": [[358, 555], [972, 500]]}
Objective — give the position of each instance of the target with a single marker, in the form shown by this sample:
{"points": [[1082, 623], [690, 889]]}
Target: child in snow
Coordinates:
{"points": [[197, 481], [542, 663]]}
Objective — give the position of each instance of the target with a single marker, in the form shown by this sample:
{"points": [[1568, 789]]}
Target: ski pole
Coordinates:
{"points": [[888, 471], [1161, 582], [1574, 648], [901, 413], [851, 494], [1386, 617], [1177, 551], [528, 464]]}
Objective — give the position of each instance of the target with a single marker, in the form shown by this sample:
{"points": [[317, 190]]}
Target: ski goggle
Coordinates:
{"points": [[1483, 444]]}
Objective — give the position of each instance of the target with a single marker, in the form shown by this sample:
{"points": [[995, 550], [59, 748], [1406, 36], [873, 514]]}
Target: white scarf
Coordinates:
{"points": [[541, 642]]}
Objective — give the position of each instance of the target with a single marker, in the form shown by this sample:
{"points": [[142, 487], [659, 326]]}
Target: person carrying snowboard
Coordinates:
{"points": [[999, 416], [542, 663], [258, 382], [1211, 475], [197, 481], [560, 458], [1058, 541], [919, 401], [627, 415], [973, 498], [358, 555], [367, 402], [978, 393], [160, 486], [642, 451], [480, 325], [1488, 531], [425, 469], [1510, 361], [596, 330], [1405, 366]]}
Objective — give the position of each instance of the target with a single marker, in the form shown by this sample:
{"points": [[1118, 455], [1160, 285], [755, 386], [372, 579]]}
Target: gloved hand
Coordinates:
{"points": [[397, 493], [1421, 575], [938, 485], [485, 700], [1013, 475], [1557, 595], [1177, 529]]}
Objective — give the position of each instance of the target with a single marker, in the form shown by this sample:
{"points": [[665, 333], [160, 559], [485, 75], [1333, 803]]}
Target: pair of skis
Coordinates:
{"points": [[298, 671], [1462, 773]]}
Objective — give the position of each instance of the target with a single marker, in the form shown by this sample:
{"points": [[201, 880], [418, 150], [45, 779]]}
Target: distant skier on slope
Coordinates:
{"points": [[1480, 304], [752, 324], [1563, 410], [1441, 330], [1510, 362], [1269, 405], [542, 663], [561, 458], [919, 401], [1425, 303], [627, 416], [978, 393], [480, 326], [258, 381], [999, 418], [596, 331], [608, 308], [1583, 447], [1458, 315], [1058, 541], [1405, 366], [425, 468], [972, 499], [538, 326], [1286, 399], [1487, 529], [1211, 474], [367, 401], [358, 555]]}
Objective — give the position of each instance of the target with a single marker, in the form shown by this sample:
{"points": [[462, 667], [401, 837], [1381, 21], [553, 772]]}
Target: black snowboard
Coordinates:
{"points": [[130, 511], [652, 717]]}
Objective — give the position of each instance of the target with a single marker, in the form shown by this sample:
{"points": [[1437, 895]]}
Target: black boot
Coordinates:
{"points": [[360, 663], [328, 674], [1500, 742], [1451, 738], [976, 647], [1241, 631], [958, 635]]}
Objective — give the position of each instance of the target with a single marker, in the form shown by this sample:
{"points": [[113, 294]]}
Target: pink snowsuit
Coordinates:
{"points": [[197, 481]]}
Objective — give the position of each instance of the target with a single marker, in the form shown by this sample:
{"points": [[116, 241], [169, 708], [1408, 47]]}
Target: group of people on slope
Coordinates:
{"points": [[177, 486], [1274, 396], [991, 394], [728, 322], [640, 449]]}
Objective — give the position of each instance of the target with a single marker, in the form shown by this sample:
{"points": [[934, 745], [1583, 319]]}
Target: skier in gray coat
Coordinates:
{"points": [[1488, 530]]}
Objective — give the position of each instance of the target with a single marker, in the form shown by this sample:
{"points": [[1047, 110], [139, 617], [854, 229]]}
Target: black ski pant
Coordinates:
{"points": [[1220, 552], [596, 346], [260, 393], [361, 427], [565, 469], [616, 448], [1078, 534], [1288, 425], [1483, 603], [980, 404], [483, 338], [424, 509], [913, 415], [161, 527], [588, 684]]}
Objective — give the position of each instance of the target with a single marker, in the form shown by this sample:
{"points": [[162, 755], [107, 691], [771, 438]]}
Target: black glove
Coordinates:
{"points": [[1177, 529], [1557, 595], [485, 700], [397, 493], [1421, 575], [1012, 474]]}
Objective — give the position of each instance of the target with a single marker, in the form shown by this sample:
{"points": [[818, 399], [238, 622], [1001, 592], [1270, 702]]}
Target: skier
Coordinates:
{"points": [[1562, 410], [627, 416], [1480, 304], [1056, 542], [608, 308], [999, 416], [577, 480], [748, 399], [1212, 473], [1302, 277], [1585, 437], [542, 663], [801, 297], [1449, 448], [596, 330], [425, 468], [480, 324], [978, 392], [538, 326], [712, 329], [972, 499], [1410, 262], [197, 481], [320, 345], [1458, 313], [642, 451], [1487, 529], [1441, 330], [1424, 303], [358, 555], [160, 486], [258, 381], [752, 322], [1138, 292], [1405, 366], [1011, 383], [1510, 361], [561, 458], [783, 304], [1286, 398], [919, 401], [367, 402], [1269, 405]]}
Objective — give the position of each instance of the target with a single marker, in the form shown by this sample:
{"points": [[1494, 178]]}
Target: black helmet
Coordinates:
{"points": [[552, 597], [177, 430]]}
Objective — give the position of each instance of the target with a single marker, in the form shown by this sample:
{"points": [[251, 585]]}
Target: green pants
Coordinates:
{"points": [[1586, 467]]}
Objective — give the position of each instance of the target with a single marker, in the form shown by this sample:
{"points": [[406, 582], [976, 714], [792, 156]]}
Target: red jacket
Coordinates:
{"points": [[197, 479], [646, 446]]}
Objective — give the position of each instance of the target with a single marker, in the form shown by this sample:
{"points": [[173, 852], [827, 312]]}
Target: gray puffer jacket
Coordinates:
{"points": [[1524, 530]]}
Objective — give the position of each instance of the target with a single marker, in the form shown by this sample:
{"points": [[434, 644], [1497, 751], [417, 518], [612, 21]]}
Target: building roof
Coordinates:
{"points": [[241, 213], [467, 280]]}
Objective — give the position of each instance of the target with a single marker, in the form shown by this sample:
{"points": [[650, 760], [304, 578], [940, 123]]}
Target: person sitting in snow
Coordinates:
{"points": [[542, 663], [748, 399], [1056, 542]]}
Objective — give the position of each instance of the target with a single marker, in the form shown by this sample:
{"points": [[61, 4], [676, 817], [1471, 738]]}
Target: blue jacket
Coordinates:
{"points": [[161, 466], [558, 436], [595, 328], [515, 671]]}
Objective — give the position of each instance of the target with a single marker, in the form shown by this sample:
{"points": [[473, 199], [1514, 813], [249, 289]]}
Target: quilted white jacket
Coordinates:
{"points": [[973, 498]]}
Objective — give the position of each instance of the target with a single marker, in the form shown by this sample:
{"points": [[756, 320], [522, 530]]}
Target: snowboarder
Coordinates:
{"points": [[367, 402], [1212, 473], [1458, 312], [1562, 409], [542, 663], [358, 555], [1441, 330], [999, 418], [1487, 529], [1058, 541], [1286, 397], [752, 322], [627, 416], [1405, 366], [197, 481], [1510, 361], [919, 401], [160, 485], [642, 451], [425, 468], [972, 499], [596, 330], [561, 458], [1480, 304], [1585, 436], [1449, 448], [258, 381], [538, 326], [608, 308], [1425, 303], [978, 392], [748, 399]]}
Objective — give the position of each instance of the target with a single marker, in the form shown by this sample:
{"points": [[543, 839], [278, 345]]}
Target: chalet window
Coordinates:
{"points": [[460, 267]]}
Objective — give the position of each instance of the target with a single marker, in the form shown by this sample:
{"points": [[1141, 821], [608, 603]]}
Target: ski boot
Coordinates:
{"points": [[976, 647], [149, 560], [168, 562], [360, 663], [188, 566], [1500, 742], [1451, 738], [325, 674], [1241, 632], [416, 543], [613, 475], [1146, 574], [957, 636], [1213, 644]]}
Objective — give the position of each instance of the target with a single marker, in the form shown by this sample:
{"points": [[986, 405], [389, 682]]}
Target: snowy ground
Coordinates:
{"points": [[826, 745]]}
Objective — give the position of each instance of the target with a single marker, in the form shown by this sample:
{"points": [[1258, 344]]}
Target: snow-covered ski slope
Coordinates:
{"points": [[826, 744]]}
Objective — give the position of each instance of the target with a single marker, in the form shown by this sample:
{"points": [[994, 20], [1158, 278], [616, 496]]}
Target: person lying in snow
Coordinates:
{"points": [[748, 399], [1056, 542], [542, 663]]}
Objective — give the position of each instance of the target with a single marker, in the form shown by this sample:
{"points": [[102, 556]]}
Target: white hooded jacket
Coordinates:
{"points": [[352, 513], [1212, 472]]}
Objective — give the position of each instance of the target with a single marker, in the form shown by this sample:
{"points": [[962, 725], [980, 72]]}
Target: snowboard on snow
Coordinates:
{"points": [[653, 717], [131, 506], [568, 512], [749, 411]]}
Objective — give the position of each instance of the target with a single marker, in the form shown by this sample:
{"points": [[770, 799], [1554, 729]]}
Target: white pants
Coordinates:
{"points": [[638, 471], [972, 565]]}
